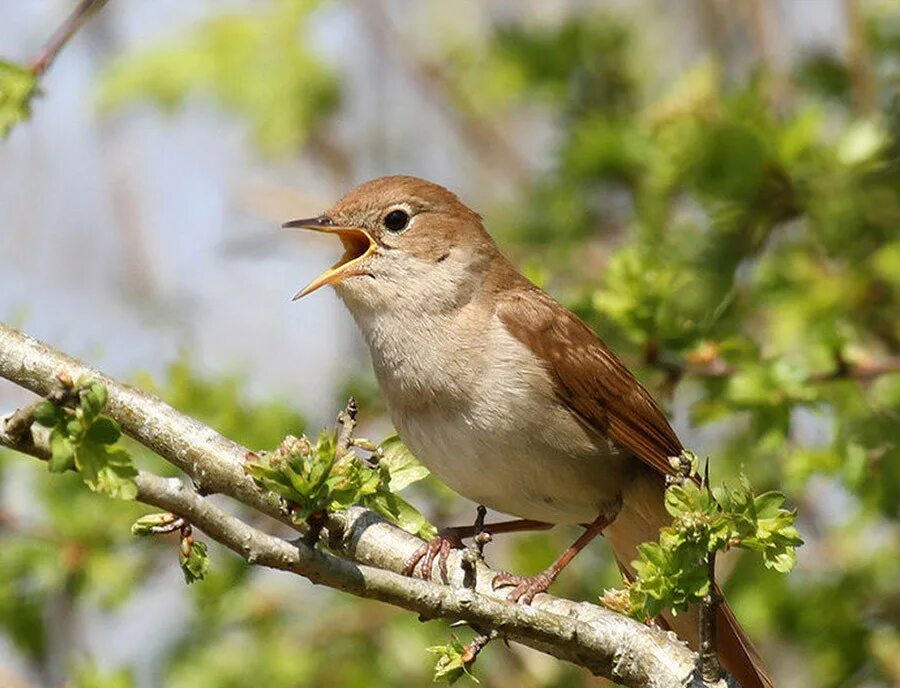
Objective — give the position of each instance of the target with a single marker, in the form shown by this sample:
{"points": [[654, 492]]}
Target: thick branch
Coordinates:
{"points": [[603, 641]]}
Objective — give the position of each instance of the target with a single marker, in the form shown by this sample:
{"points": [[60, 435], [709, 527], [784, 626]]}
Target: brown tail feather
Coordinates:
{"points": [[639, 521]]}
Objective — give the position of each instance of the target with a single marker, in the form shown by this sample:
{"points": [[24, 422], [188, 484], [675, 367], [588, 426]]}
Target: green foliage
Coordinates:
{"points": [[453, 661], [313, 479], [403, 467], [89, 675], [673, 573], [82, 438], [193, 559], [74, 550], [255, 64], [18, 85]]}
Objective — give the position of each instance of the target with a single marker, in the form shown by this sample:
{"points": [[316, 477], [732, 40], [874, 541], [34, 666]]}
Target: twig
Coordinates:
{"points": [[474, 648], [715, 368], [17, 424], [346, 425], [474, 554], [710, 668], [432, 79], [368, 552], [63, 34], [865, 92]]}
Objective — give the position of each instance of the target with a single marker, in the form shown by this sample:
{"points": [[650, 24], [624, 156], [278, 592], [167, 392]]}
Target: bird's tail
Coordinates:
{"points": [[642, 515]]}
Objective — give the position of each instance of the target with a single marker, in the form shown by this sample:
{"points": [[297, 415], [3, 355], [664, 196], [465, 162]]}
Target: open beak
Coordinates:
{"points": [[358, 245]]}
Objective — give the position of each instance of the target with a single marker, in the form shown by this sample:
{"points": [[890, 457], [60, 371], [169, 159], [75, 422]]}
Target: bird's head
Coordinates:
{"points": [[407, 243]]}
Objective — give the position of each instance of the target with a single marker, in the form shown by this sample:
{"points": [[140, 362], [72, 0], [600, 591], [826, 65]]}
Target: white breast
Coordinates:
{"points": [[476, 406]]}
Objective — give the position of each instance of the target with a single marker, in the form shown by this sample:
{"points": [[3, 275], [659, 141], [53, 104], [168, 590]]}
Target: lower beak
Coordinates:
{"points": [[358, 245]]}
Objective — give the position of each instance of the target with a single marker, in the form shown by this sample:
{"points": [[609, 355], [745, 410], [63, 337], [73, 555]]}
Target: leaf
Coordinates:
{"points": [[18, 86], [62, 453], [397, 510], [404, 467], [250, 64], [768, 504], [107, 470], [104, 430], [116, 478], [193, 559], [47, 414], [451, 664]]}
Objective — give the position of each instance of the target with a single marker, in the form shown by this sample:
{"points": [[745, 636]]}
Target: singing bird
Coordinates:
{"points": [[506, 395]]}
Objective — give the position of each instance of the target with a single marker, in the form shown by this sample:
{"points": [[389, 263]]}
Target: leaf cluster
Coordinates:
{"points": [[454, 660], [673, 572], [314, 479], [193, 559], [254, 64], [83, 439], [18, 86]]}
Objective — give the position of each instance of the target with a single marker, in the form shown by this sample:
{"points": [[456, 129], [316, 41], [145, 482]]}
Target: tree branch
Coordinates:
{"points": [[366, 554], [63, 34]]}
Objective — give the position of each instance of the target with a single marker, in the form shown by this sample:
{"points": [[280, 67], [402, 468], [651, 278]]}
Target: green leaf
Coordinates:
{"points": [[768, 504], [397, 510], [104, 430], [193, 559], [107, 470], [62, 453], [18, 86], [47, 414], [404, 467], [75, 429], [450, 665]]}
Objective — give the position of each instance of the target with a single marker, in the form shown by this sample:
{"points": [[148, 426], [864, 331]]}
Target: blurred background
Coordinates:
{"points": [[714, 186]]}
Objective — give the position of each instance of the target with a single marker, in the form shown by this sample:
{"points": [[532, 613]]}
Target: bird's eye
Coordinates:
{"points": [[396, 221]]}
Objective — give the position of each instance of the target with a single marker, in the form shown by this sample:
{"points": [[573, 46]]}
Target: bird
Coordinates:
{"points": [[501, 391]]}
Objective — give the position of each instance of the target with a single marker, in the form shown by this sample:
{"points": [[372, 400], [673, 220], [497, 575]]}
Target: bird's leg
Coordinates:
{"points": [[451, 538], [524, 588]]}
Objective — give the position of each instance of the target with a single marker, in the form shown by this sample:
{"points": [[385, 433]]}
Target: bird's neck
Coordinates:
{"points": [[430, 343]]}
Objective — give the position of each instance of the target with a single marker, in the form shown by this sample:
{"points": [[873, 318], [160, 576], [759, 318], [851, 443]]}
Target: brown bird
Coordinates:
{"points": [[501, 391]]}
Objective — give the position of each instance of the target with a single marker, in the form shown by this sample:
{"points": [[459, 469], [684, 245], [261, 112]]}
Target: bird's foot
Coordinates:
{"points": [[524, 588], [436, 549]]}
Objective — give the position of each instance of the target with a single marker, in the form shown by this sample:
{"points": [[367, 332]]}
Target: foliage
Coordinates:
{"points": [[18, 86], [673, 573], [193, 559], [84, 439], [453, 661], [254, 64], [313, 479], [72, 550]]}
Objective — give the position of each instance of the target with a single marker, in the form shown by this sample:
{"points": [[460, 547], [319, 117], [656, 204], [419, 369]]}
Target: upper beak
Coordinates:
{"points": [[358, 245]]}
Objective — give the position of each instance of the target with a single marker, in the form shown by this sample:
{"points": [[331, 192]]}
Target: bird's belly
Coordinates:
{"points": [[519, 465]]}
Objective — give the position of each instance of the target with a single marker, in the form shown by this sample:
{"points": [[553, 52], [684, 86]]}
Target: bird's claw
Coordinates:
{"points": [[438, 548], [524, 588]]}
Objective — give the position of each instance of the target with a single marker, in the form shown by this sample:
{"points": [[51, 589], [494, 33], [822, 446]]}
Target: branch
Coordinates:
{"points": [[63, 34], [432, 78], [366, 554], [714, 368]]}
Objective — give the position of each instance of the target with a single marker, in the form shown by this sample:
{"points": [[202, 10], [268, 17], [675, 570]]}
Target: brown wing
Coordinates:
{"points": [[589, 377]]}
